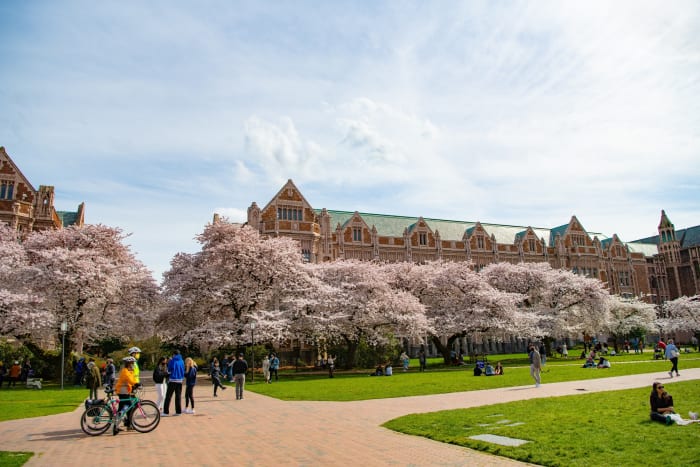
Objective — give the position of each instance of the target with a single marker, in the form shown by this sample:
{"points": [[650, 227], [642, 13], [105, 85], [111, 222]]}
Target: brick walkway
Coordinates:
{"points": [[260, 431]]}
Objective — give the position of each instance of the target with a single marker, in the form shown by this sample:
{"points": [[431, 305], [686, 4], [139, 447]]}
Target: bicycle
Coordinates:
{"points": [[142, 415]]}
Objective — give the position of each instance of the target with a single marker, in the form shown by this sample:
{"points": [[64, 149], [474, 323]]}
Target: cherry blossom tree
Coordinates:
{"points": [[20, 315], [355, 301], [238, 278], [459, 302], [564, 304], [681, 314], [628, 316], [87, 277]]}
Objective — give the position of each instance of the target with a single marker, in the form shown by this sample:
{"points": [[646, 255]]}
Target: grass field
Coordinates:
{"points": [[608, 428], [440, 380]]}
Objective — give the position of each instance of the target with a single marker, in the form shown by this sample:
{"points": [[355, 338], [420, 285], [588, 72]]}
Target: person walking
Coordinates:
{"points": [[176, 369], [110, 373], [215, 374], [543, 354], [240, 367], [93, 380], [160, 379], [535, 365], [266, 368], [274, 367], [405, 360], [190, 382], [672, 353], [421, 360]]}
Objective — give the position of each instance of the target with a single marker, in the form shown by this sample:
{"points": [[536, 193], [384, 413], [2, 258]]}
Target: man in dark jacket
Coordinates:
{"points": [[240, 367], [176, 368]]}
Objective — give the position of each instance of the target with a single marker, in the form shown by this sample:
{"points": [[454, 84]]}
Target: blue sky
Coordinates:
{"points": [[159, 114]]}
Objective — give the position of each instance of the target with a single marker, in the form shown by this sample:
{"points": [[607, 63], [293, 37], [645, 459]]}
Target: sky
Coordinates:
{"points": [[159, 114]]}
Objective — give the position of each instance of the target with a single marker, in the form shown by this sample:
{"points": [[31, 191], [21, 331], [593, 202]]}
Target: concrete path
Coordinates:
{"points": [[260, 431]]}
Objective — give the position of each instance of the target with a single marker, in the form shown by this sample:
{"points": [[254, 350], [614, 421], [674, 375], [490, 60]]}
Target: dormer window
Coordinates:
{"points": [[356, 234], [531, 245], [422, 238], [480, 242]]}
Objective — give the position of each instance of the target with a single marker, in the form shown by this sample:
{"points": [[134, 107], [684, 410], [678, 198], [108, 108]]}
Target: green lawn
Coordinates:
{"points": [[439, 380], [609, 428], [25, 403], [14, 459]]}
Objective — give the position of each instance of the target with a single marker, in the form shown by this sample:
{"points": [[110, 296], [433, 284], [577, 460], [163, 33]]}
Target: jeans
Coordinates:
{"points": [[535, 373], [176, 389], [239, 378]]}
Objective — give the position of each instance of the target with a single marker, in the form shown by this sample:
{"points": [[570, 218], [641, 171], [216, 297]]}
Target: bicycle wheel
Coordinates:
{"points": [[145, 416], [96, 420]]}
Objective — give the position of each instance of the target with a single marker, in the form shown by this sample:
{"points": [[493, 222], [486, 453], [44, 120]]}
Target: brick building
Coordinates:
{"points": [[658, 268], [25, 208]]}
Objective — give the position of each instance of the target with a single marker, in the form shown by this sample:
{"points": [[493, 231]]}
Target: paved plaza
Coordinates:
{"points": [[261, 431]]}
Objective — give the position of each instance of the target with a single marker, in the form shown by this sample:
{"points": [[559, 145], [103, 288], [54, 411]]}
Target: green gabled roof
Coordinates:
{"points": [[67, 217], [394, 226], [561, 230], [686, 237], [689, 237]]}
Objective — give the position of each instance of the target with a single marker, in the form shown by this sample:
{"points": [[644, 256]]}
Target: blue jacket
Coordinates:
{"points": [[176, 368], [191, 376]]}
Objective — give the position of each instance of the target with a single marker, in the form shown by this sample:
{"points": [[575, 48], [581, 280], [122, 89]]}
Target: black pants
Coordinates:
{"points": [[173, 388], [189, 396], [273, 371], [216, 381], [674, 360]]}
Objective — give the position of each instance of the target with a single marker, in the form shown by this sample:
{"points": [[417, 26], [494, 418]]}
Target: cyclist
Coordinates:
{"points": [[125, 385], [136, 353]]}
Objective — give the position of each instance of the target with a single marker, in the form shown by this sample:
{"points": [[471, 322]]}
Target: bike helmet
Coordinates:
{"points": [[134, 350], [128, 359]]}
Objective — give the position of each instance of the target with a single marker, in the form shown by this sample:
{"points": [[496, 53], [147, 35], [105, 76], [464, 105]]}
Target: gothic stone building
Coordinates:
{"points": [[25, 208], [658, 268]]}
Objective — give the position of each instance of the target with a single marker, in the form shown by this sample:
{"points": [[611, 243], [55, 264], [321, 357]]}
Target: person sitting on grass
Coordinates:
{"points": [[603, 363], [499, 369], [388, 370], [379, 371], [661, 404], [477, 370], [489, 371]]}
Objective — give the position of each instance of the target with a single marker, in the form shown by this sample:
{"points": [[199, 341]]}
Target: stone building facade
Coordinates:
{"points": [[326, 235], [25, 208]]}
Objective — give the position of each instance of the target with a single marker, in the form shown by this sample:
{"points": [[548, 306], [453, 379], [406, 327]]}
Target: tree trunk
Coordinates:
{"points": [[351, 361], [444, 350]]}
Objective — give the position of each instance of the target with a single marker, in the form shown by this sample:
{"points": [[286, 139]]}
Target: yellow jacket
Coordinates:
{"points": [[125, 382]]}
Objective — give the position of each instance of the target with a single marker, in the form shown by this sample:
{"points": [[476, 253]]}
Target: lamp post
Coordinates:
{"points": [[252, 358], [64, 330]]}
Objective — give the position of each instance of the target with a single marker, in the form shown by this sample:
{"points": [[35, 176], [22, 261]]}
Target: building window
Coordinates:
{"points": [[289, 214], [6, 189], [624, 278], [480, 242], [356, 234], [531, 245], [423, 238]]}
